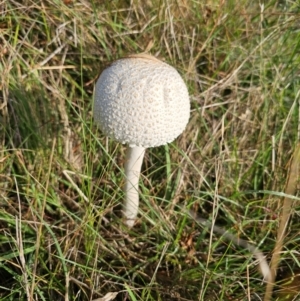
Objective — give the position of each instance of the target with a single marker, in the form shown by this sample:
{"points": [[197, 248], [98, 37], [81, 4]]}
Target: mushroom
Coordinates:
{"points": [[143, 102]]}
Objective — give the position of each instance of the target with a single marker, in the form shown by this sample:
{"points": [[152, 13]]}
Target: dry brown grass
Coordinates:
{"points": [[62, 178]]}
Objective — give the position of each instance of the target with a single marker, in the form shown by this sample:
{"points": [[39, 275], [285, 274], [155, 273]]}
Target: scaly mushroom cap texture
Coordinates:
{"points": [[141, 101]]}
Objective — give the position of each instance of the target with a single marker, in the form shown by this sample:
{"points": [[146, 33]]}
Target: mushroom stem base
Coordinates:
{"points": [[133, 164]]}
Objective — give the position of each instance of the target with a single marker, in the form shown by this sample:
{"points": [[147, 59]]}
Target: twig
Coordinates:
{"points": [[264, 267]]}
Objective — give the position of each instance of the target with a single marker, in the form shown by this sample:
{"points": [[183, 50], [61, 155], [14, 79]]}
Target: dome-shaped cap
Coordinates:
{"points": [[141, 101]]}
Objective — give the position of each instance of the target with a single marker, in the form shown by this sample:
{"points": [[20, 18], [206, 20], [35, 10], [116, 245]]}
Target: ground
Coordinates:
{"points": [[61, 234]]}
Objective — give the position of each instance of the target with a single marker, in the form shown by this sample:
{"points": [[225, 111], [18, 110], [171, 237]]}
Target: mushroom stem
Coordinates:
{"points": [[133, 164]]}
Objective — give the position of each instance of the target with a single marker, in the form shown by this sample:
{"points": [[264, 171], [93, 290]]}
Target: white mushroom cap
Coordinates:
{"points": [[141, 101]]}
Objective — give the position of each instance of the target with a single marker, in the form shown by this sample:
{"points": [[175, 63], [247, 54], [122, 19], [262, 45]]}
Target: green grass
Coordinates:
{"points": [[61, 237]]}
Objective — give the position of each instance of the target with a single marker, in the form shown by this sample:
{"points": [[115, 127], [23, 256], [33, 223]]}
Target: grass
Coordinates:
{"points": [[61, 237]]}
